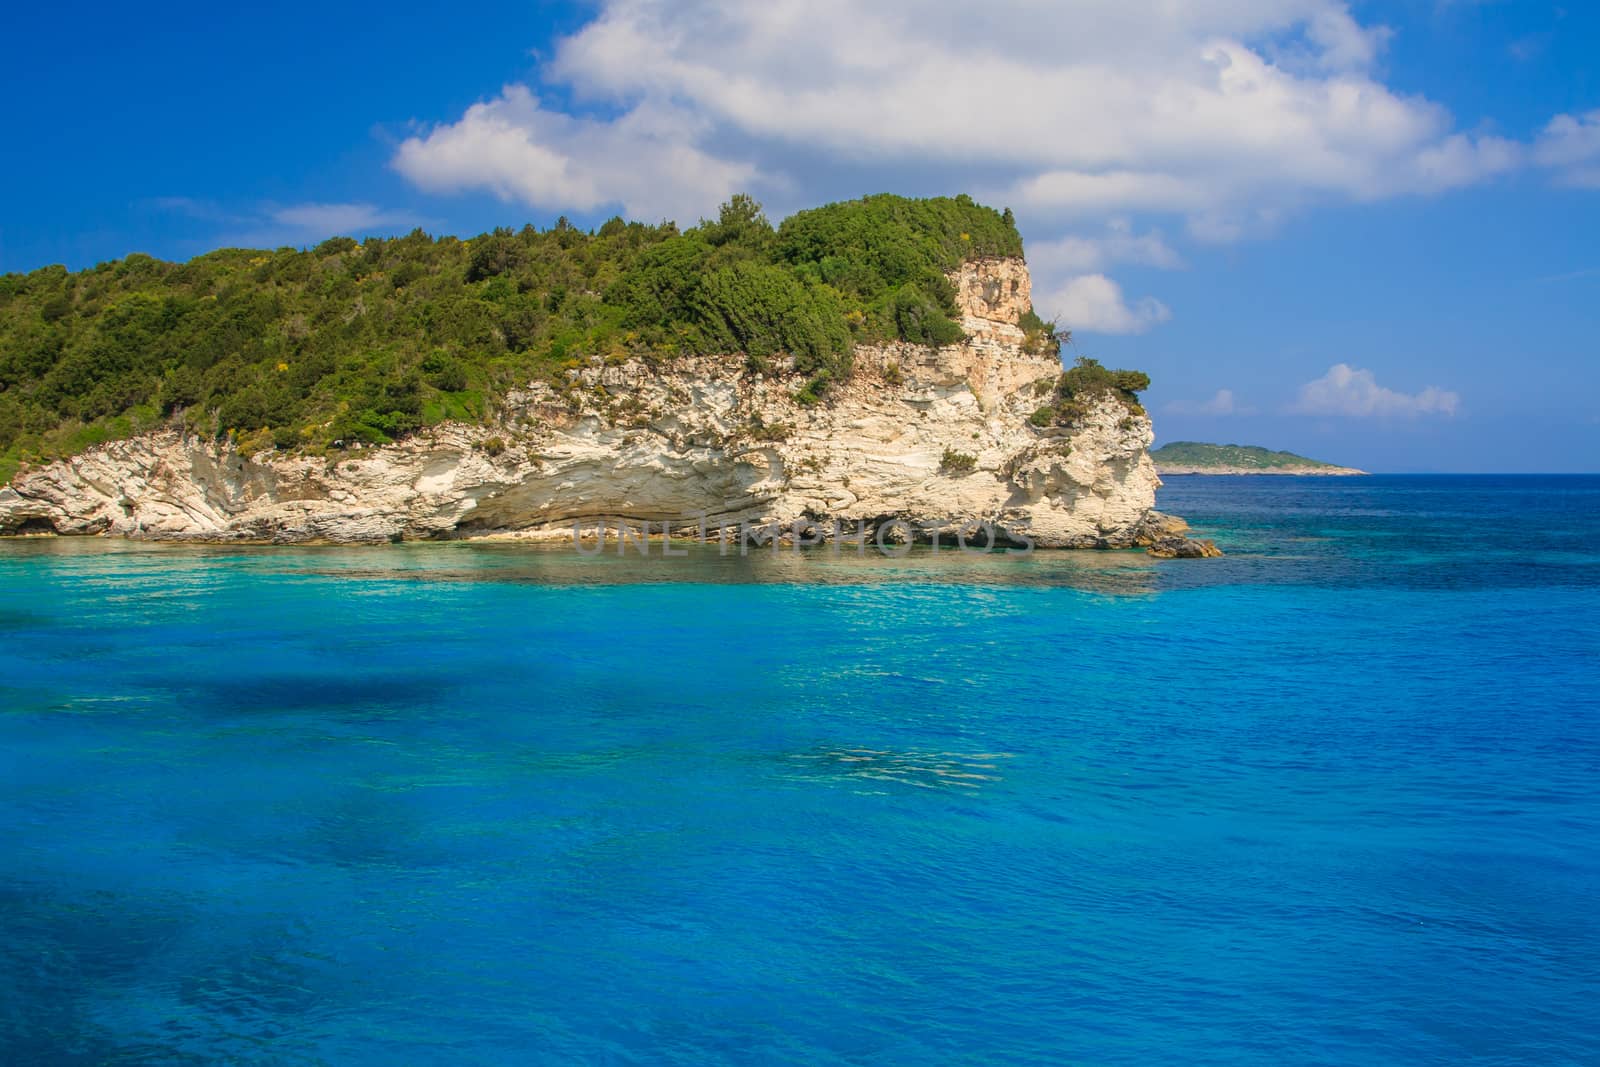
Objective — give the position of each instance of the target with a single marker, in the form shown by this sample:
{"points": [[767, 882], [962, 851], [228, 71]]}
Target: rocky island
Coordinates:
{"points": [[865, 389], [1195, 457]]}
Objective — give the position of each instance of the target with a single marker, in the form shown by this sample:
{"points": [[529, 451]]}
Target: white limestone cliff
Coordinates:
{"points": [[697, 440]]}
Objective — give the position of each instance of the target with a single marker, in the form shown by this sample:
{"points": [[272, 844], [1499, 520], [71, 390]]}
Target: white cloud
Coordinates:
{"points": [[203, 210], [1223, 403], [1344, 44], [1570, 145], [1094, 303], [1223, 113], [1221, 118], [1526, 49], [279, 225], [512, 146], [1119, 243], [328, 220], [1567, 276], [1346, 390]]}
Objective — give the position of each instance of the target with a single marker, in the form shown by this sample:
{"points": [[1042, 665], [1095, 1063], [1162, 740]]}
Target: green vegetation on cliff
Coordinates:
{"points": [[1198, 455], [1085, 380], [369, 341]]}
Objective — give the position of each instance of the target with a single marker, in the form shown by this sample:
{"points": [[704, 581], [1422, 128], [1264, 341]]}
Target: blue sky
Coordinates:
{"points": [[1368, 232]]}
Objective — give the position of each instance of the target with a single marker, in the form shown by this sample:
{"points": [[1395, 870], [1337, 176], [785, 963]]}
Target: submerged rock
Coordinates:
{"points": [[1183, 548], [1167, 537]]}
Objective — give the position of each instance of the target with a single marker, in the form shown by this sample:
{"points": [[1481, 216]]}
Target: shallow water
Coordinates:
{"points": [[1327, 800]]}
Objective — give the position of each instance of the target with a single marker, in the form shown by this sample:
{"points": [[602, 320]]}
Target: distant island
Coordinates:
{"points": [[1195, 457]]}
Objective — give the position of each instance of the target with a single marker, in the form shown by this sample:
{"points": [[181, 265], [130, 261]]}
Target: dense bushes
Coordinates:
{"points": [[865, 246], [371, 340], [763, 310], [888, 256], [1084, 381]]}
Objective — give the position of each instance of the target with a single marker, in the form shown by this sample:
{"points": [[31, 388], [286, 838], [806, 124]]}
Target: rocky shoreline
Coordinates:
{"points": [[934, 439], [1319, 472]]}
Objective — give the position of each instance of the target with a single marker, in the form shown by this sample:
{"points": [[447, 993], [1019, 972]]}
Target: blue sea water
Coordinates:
{"points": [[1329, 800]]}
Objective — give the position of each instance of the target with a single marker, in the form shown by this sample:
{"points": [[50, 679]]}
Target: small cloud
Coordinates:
{"points": [[310, 223], [521, 151], [1094, 303], [1524, 49], [1567, 276], [1570, 146], [1223, 403], [1346, 390], [1460, 160], [277, 225], [328, 220], [1070, 191], [1344, 44], [1078, 254], [189, 207]]}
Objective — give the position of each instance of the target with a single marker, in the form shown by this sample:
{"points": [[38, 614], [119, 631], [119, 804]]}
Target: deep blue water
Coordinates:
{"points": [[1328, 800]]}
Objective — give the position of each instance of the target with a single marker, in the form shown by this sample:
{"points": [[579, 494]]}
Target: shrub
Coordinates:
{"points": [[1085, 381], [954, 462], [1038, 335], [772, 431], [336, 245], [445, 372], [921, 318], [813, 391], [494, 254]]}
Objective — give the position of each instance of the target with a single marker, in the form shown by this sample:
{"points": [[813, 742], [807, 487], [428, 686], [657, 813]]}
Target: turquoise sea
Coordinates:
{"points": [[1329, 800]]}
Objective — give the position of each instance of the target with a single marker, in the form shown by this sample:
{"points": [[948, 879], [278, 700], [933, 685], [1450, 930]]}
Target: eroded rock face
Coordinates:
{"points": [[698, 441], [994, 290]]}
